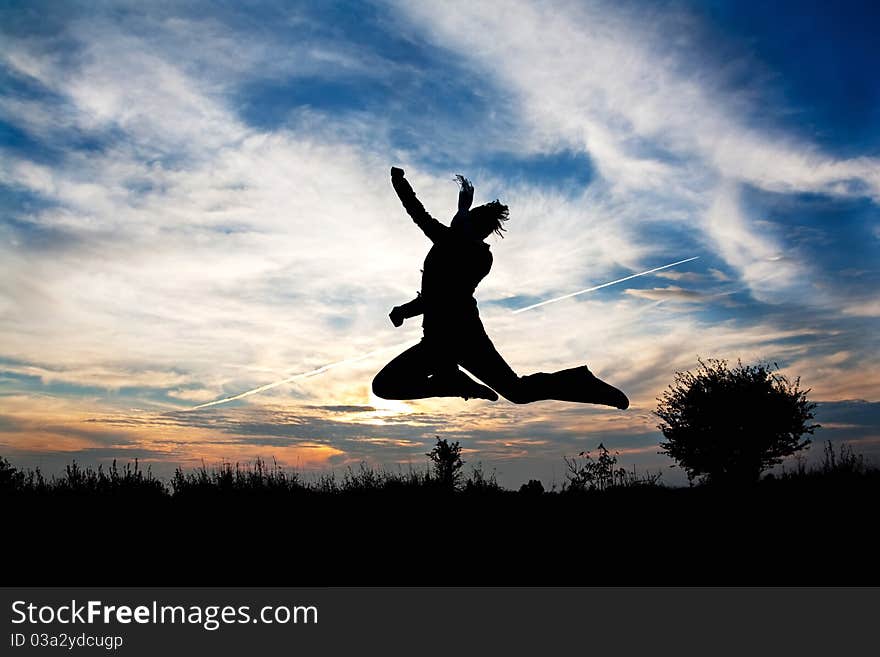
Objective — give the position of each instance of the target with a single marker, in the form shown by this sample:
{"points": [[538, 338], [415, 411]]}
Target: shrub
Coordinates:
{"points": [[534, 487], [727, 425], [601, 473], [481, 483], [446, 463]]}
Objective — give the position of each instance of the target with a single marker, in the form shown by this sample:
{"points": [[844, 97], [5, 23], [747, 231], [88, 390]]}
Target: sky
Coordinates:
{"points": [[195, 202]]}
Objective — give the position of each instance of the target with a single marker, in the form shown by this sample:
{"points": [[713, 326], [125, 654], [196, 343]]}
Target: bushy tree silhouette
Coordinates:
{"points": [[727, 425], [447, 463]]}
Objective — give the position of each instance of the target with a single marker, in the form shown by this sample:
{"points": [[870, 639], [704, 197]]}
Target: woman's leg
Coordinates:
{"points": [[426, 370], [405, 377], [483, 361], [577, 384]]}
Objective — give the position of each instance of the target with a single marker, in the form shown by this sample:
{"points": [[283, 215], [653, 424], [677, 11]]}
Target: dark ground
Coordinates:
{"points": [[801, 531]]}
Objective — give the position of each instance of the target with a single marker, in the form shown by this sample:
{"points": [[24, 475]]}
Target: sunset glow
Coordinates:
{"points": [[200, 245]]}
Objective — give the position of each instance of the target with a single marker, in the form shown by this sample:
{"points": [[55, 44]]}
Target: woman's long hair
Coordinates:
{"points": [[489, 218]]}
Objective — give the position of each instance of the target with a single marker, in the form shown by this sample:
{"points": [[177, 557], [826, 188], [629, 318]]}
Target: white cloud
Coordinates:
{"points": [[199, 243], [867, 308], [593, 78]]}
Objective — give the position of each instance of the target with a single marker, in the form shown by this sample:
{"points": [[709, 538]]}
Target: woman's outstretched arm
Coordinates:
{"points": [[407, 310], [431, 227]]}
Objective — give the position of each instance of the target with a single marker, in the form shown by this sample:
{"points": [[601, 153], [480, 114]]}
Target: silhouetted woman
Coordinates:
{"points": [[453, 334]]}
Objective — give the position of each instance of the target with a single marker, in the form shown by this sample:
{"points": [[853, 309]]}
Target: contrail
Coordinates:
{"points": [[598, 287], [355, 359], [301, 375]]}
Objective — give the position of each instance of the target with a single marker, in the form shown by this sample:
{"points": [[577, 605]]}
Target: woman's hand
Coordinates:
{"points": [[396, 172], [396, 316], [466, 195]]}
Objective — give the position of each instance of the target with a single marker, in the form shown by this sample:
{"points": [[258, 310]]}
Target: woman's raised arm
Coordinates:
{"points": [[429, 225]]}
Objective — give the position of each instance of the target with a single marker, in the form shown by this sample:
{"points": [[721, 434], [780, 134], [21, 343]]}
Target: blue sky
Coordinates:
{"points": [[194, 202]]}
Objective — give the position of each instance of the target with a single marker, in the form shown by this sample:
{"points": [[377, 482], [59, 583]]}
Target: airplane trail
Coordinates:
{"points": [[355, 359], [598, 287], [301, 375]]}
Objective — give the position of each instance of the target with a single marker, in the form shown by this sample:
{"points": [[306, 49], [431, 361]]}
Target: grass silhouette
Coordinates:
{"points": [[257, 523], [586, 474]]}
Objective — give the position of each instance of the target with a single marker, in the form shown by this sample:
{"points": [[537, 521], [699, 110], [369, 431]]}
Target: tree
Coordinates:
{"points": [[447, 462], [727, 425]]}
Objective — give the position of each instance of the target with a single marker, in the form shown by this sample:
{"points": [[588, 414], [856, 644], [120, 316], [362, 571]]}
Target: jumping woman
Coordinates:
{"points": [[453, 334]]}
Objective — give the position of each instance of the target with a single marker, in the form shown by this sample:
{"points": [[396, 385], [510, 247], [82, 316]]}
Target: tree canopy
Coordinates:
{"points": [[726, 425]]}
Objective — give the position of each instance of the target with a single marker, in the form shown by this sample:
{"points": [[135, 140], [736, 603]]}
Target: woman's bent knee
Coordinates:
{"points": [[385, 387], [380, 386]]}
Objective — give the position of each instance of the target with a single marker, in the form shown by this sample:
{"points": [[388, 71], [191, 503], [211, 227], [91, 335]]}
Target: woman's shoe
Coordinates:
{"points": [[579, 384]]}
